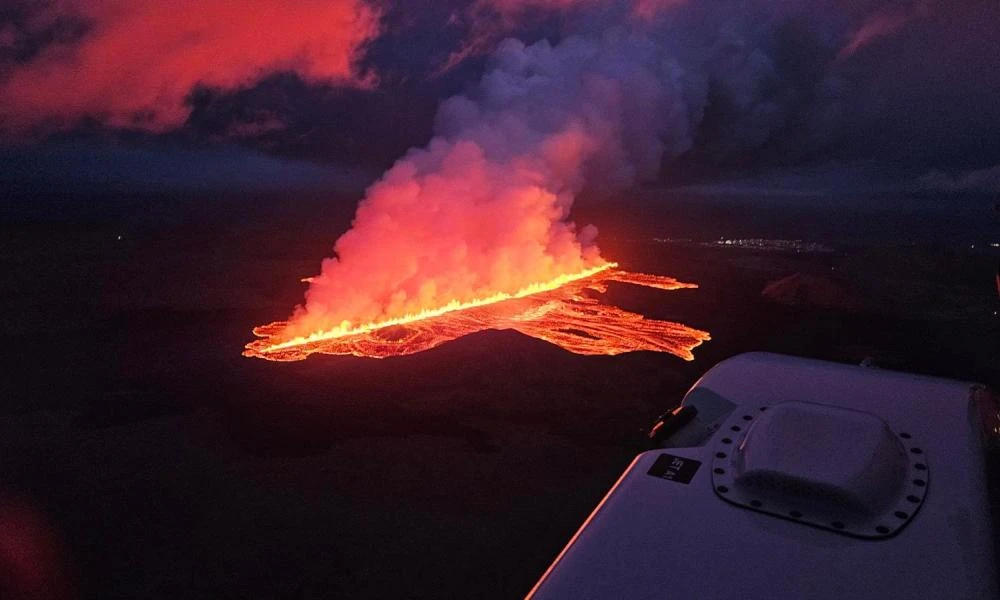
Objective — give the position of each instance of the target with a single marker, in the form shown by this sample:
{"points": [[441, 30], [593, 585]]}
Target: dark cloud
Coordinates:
{"points": [[166, 166], [908, 85], [973, 181]]}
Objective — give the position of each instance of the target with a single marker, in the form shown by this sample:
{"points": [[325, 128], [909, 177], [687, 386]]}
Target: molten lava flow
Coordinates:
{"points": [[557, 311]]}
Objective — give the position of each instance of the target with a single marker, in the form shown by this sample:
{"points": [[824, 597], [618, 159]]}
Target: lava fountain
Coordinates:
{"points": [[560, 312]]}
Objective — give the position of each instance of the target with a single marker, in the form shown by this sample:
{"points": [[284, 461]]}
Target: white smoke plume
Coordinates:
{"points": [[485, 206]]}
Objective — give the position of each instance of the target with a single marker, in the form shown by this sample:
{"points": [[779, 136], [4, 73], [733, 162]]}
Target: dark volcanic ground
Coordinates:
{"points": [[162, 464]]}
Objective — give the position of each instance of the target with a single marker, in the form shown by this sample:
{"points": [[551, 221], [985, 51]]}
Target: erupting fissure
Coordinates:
{"points": [[556, 311], [346, 328], [473, 231]]}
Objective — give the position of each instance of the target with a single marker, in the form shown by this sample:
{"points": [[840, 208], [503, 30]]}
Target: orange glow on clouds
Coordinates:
{"points": [[138, 61]]}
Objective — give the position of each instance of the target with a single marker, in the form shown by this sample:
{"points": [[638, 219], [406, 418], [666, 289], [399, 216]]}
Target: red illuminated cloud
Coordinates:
{"points": [[138, 61]]}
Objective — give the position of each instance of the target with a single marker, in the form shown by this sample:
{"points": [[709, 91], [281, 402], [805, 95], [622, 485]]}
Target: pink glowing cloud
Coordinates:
{"points": [[138, 61]]}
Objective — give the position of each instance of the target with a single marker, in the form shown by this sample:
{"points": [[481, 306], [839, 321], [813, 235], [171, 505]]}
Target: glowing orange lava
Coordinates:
{"points": [[558, 311]]}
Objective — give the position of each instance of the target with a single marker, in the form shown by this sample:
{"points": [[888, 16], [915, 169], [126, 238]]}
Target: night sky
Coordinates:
{"points": [[831, 96]]}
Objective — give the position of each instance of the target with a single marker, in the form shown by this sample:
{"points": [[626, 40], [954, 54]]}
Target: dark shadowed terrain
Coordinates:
{"points": [[165, 465]]}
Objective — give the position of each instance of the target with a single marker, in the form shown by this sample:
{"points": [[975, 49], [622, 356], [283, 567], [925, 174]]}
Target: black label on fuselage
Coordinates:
{"points": [[674, 468]]}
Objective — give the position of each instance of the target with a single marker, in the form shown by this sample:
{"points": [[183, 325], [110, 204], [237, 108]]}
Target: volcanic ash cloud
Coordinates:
{"points": [[484, 208]]}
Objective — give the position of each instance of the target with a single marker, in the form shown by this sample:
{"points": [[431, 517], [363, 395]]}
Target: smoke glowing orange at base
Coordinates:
{"points": [[558, 311]]}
